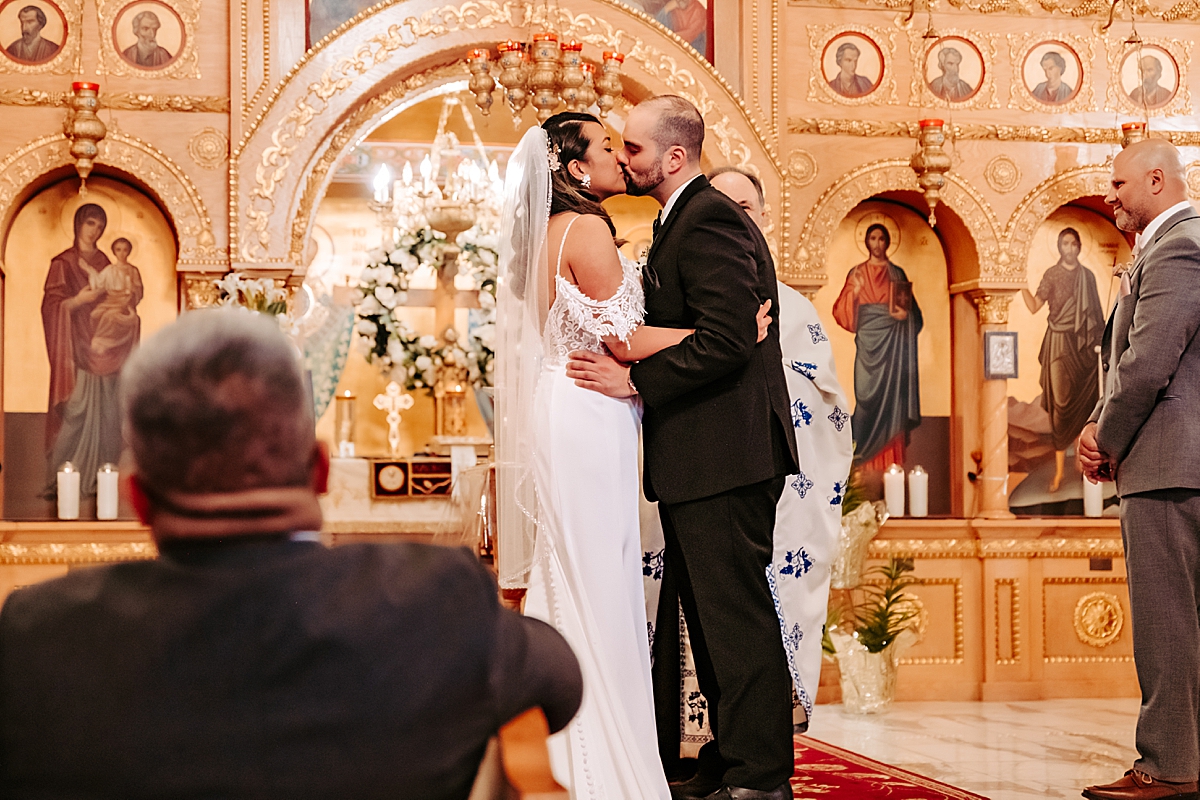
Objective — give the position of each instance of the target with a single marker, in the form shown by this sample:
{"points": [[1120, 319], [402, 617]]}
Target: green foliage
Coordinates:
{"points": [[855, 494], [833, 618], [886, 611]]}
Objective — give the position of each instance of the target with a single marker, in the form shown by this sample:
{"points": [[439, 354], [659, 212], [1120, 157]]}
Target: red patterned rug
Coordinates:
{"points": [[823, 770]]}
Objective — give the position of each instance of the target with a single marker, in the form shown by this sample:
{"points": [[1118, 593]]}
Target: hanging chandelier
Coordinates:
{"points": [[548, 74]]}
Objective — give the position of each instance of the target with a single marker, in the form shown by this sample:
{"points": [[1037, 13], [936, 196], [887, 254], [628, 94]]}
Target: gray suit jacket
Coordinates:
{"points": [[1149, 417]]}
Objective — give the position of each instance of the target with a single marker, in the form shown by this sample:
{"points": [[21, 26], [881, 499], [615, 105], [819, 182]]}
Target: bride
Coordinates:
{"points": [[567, 458]]}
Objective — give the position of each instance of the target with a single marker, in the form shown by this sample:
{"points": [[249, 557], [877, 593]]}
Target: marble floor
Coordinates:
{"points": [[1004, 751]]}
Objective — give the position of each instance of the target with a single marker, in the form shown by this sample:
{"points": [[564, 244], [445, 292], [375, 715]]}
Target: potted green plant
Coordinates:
{"points": [[868, 652]]}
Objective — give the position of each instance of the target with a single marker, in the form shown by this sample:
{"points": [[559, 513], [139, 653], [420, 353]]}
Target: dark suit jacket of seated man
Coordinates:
{"points": [[246, 662]]}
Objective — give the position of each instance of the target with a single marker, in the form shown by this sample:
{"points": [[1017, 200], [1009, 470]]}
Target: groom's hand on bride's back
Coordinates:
{"points": [[600, 373]]}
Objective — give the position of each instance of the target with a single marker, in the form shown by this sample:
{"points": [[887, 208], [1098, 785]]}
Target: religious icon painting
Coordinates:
{"points": [[149, 38], [1051, 73], [851, 65], [954, 70], [38, 36], [1149, 78]]}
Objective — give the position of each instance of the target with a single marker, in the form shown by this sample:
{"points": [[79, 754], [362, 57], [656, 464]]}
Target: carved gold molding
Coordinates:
{"points": [[321, 173], [253, 239], [1193, 180], [801, 168], [974, 131], [1052, 548], [1019, 45], [1098, 619], [991, 307], [67, 60], [819, 90], [959, 636], [1110, 598], [136, 158], [1014, 612], [997, 548], [248, 101], [923, 548], [1087, 9], [1117, 100], [209, 148], [185, 64], [920, 94], [89, 553], [868, 180], [1056, 191], [1002, 174], [200, 291], [121, 101]]}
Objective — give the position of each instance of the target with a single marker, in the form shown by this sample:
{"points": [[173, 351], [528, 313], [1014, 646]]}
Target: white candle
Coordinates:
{"points": [[918, 492], [1093, 498], [68, 492], [106, 492], [893, 490]]}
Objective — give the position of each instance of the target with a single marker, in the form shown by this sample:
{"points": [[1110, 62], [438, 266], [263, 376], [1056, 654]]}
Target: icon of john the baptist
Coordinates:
{"points": [[1074, 326], [878, 307], [91, 324]]}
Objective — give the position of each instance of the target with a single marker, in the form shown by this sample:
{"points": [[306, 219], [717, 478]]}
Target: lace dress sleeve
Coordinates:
{"points": [[619, 315]]}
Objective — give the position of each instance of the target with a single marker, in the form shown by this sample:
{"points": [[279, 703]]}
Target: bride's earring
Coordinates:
{"points": [[586, 180]]}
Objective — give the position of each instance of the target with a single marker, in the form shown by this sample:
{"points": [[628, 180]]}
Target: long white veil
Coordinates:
{"points": [[523, 302]]}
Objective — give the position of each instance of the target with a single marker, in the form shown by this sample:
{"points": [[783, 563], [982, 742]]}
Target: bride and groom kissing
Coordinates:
{"points": [[686, 348]]}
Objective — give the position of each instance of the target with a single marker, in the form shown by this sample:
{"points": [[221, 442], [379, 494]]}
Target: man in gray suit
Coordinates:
{"points": [[1145, 435]]}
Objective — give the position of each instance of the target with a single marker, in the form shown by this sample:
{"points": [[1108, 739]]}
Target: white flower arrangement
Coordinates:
{"points": [[261, 295], [412, 360]]}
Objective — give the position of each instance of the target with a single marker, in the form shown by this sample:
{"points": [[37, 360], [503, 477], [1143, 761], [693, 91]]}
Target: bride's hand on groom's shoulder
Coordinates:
{"points": [[599, 373]]}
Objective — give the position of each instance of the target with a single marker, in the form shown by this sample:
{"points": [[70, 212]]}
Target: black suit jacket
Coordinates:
{"points": [[717, 409], [268, 669]]}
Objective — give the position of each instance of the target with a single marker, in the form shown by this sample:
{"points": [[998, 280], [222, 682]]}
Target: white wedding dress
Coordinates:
{"points": [[586, 577]]}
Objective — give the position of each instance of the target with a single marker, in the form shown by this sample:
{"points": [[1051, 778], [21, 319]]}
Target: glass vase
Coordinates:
{"points": [[868, 679]]}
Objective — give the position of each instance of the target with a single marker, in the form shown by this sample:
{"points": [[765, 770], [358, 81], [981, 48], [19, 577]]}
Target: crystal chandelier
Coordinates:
{"points": [[450, 199], [548, 75]]}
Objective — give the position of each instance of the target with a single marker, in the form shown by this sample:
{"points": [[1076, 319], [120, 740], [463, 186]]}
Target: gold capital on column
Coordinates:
{"points": [[992, 307]]}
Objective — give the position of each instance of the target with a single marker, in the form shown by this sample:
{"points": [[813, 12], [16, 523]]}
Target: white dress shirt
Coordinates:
{"points": [[671, 200], [1145, 237]]}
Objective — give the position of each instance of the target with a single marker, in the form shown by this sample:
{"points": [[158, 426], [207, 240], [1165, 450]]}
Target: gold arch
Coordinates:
{"points": [[165, 181], [272, 168], [807, 266], [1057, 190]]}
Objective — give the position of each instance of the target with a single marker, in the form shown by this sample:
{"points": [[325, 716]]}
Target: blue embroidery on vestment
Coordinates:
{"points": [[802, 484], [804, 368], [839, 491], [799, 562], [800, 414], [817, 333], [838, 418]]}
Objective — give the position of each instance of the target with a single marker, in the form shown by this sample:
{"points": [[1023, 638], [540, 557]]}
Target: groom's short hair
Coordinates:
{"points": [[679, 124]]}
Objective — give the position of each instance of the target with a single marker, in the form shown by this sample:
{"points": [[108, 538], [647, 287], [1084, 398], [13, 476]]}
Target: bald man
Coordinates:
{"points": [[1145, 434]]}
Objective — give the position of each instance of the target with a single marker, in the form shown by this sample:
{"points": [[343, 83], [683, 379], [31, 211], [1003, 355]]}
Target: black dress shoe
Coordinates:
{"points": [[697, 787], [781, 792]]}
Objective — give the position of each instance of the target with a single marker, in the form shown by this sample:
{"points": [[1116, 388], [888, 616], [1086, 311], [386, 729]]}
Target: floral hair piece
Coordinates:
{"points": [[552, 156]]}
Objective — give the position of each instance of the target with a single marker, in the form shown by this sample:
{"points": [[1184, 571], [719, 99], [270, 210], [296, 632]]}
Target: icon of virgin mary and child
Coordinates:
{"points": [[89, 315]]}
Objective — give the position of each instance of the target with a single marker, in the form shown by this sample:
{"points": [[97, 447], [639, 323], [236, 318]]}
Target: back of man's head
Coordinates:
{"points": [[678, 124], [216, 403]]}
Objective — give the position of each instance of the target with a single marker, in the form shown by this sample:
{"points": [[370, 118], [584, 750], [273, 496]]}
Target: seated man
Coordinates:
{"points": [[249, 661]]}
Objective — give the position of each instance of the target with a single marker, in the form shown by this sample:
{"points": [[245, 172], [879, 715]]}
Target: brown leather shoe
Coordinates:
{"points": [[1138, 785]]}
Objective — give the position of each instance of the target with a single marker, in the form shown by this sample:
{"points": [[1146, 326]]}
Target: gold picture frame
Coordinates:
{"points": [[62, 24], [1033, 51], [174, 55], [1172, 55], [875, 46], [977, 60]]}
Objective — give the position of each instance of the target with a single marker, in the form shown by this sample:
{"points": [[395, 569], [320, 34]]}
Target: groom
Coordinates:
{"points": [[716, 450]]}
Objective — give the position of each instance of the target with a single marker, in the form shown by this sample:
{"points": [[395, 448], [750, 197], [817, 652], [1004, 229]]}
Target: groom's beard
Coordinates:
{"points": [[642, 185]]}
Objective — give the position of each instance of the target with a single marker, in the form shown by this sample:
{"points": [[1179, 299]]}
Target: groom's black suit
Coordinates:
{"points": [[716, 449]]}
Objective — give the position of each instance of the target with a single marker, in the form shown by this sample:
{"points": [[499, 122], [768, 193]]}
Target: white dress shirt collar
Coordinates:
{"points": [[671, 200], [1145, 237]]}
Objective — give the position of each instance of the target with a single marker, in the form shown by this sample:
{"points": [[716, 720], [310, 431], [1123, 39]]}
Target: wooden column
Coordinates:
{"points": [[992, 307]]}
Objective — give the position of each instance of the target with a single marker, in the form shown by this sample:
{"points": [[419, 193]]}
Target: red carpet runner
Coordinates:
{"points": [[825, 771]]}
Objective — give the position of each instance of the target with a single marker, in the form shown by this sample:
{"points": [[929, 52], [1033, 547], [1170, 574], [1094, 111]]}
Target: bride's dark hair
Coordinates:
{"points": [[567, 137]]}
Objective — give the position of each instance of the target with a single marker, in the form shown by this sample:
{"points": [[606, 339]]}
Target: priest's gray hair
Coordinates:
{"points": [[217, 402]]}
